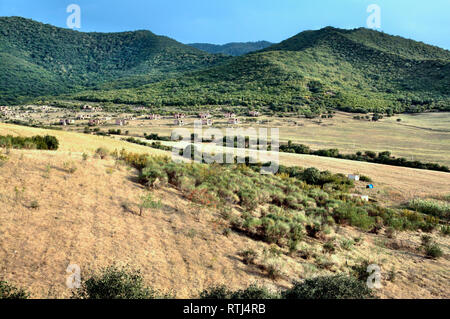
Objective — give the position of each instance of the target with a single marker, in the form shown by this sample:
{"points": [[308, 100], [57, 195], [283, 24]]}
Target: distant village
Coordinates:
{"points": [[88, 115]]}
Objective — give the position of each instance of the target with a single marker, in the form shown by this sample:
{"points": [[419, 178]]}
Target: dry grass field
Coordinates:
{"points": [[424, 137], [394, 185], [76, 142], [52, 216]]}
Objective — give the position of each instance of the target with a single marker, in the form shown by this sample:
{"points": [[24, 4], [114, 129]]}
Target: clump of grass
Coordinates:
{"points": [[445, 230], [146, 202], [70, 167], [329, 247], [47, 171], [430, 247], [8, 291], [34, 204], [426, 240], [306, 252], [191, 233], [390, 232], [433, 251], [85, 156], [102, 152], [360, 270], [249, 256], [391, 275], [226, 231], [324, 262], [18, 194], [3, 160], [347, 244], [273, 269]]}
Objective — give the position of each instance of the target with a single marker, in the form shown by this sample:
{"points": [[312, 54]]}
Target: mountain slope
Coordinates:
{"points": [[39, 59], [356, 69], [233, 48]]}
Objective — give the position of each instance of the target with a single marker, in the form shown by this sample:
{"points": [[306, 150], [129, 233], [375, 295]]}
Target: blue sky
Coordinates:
{"points": [[222, 21]]}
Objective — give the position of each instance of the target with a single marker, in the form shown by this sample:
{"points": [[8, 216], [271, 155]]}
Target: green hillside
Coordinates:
{"points": [[39, 59], [358, 70], [233, 48]]}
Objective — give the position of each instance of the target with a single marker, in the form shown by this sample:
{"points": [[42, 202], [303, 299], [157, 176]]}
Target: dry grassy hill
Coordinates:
{"points": [[58, 209]]}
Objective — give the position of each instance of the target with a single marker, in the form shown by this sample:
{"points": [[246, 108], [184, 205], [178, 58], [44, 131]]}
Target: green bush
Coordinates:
{"points": [[364, 178], [433, 251], [354, 216], [252, 292], [115, 283], [329, 287], [8, 291]]}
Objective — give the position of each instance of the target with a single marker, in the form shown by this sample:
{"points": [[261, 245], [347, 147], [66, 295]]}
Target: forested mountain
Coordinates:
{"points": [[355, 70], [234, 48], [39, 59]]}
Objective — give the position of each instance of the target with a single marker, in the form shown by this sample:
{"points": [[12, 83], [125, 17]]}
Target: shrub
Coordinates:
{"points": [[354, 216], [390, 232], [426, 240], [146, 201], [102, 152], [329, 287], [249, 256], [34, 204], [311, 175], [360, 270], [347, 244], [70, 167], [8, 291], [433, 251], [364, 178], [329, 247], [115, 283], [252, 292]]}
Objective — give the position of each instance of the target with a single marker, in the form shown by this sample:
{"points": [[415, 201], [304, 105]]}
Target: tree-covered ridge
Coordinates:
{"points": [[233, 48], [359, 70], [40, 59]]}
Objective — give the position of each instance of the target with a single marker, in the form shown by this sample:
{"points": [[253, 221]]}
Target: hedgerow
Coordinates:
{"points": [[46, 142]]}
